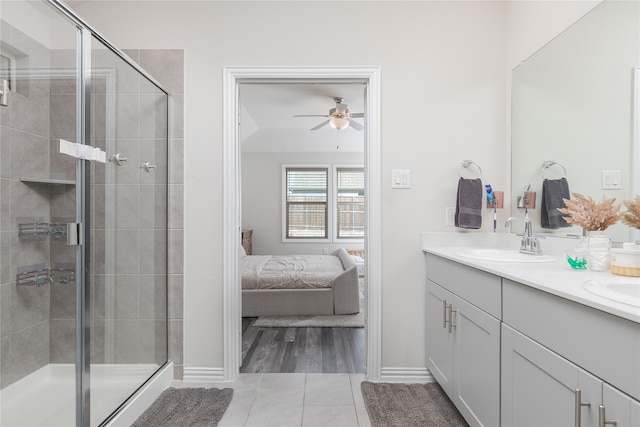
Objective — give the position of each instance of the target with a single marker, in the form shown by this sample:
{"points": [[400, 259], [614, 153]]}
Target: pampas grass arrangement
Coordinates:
{"points": [[590, 215], [632, 216]]}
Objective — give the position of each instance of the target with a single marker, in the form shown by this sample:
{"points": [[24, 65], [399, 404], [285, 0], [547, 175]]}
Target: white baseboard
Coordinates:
{"points": [[390, 375], [203, 375], [143, 398], [406, 375]]}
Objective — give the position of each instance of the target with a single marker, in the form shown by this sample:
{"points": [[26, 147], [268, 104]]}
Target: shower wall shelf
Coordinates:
{"points": [[39, 276], [40, 230], [48, 180]]}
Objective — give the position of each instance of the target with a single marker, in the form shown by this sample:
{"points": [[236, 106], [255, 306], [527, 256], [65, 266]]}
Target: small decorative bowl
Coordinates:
{"points": [[577, 259], [625, 261]]}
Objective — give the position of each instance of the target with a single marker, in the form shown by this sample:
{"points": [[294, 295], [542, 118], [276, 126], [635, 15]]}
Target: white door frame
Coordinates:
{"points": [[232, 216]]}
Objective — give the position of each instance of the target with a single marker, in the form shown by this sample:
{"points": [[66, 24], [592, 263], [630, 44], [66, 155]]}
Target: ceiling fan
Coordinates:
{"points": [[339, 117]]}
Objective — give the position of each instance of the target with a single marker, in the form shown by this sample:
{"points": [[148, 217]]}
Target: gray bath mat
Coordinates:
{"points": [[409, 405], [186, 407]]}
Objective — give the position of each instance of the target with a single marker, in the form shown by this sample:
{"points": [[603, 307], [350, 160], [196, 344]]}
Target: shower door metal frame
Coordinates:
{"points": [[83, 255]]}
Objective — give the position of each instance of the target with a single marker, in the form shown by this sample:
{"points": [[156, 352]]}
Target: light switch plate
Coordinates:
{"points": [[449, 216], [611, 180], [400, 178]]}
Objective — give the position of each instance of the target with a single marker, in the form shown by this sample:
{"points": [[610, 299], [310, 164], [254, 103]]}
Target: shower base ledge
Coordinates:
{"points": [[53, 388], [143, 398]]}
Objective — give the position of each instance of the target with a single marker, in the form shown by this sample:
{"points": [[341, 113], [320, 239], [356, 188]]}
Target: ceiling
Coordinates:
{"points": [[267, 123]]}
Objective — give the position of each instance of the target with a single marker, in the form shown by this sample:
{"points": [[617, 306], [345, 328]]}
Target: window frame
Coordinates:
{"points": [[335, 230], [332, 203], [285, 238]]}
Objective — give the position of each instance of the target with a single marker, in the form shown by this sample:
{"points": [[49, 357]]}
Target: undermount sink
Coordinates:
{"points": [[626, 291], [503, 255]]}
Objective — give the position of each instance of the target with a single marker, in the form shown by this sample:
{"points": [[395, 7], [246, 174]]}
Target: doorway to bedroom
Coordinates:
{"points": [[302, 171], [234, 78]]}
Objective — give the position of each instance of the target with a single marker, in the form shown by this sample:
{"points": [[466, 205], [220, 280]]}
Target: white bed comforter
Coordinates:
{"points": [[289, 271]]}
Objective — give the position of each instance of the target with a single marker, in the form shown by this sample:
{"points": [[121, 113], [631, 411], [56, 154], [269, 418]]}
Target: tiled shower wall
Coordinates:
{"points": [[27, 126], [167, 67], [37, 324], [132, 329]]}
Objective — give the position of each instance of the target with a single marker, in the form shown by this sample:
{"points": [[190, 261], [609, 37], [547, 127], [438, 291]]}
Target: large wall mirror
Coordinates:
{"points": [[573, 105]]}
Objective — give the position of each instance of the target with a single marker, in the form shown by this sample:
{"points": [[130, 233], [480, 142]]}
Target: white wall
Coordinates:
{"points": [[443, 100], [262, 199], [532, 24]]}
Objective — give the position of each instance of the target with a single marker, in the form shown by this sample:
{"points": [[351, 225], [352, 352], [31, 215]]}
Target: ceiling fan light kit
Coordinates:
{"points": [[339, 117], [339, 123]]}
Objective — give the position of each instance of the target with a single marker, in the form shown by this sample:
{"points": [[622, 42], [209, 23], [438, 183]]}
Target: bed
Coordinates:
{"points": [[294, 285]]}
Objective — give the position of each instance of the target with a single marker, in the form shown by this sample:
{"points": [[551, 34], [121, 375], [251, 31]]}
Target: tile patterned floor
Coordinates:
{"points": [[293, 400]]}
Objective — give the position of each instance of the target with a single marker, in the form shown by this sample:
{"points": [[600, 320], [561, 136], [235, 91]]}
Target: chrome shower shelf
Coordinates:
{"points": [[34, 231], [38, 275]]}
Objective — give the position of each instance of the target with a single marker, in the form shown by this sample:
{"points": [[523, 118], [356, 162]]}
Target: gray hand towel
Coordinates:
{"points": [[553, 191], [469, 203]]}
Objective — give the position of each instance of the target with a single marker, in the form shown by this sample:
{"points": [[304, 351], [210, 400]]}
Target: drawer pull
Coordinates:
{"points": [[602, 418], [579, 405]]}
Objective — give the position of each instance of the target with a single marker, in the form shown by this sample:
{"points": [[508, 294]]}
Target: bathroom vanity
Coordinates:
{"points": [[524, 343]]}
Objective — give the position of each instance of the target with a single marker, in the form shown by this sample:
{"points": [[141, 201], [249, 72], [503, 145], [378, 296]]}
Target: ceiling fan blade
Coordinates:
{"points": [[355, 125], [357, 114], [311, 115], [326, 122]]}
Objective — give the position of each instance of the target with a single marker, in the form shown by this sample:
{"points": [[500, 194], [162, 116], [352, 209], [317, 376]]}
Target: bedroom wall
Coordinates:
{"points": [[262, 199], [444, 99]]}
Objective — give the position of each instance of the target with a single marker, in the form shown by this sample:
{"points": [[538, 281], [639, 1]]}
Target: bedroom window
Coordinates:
{"points": [[306, 202], [349, 202]]}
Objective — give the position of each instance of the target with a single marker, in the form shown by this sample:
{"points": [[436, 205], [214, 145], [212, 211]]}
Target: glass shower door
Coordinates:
{"points": [[39, 81], [129, 208], [83, 322]]}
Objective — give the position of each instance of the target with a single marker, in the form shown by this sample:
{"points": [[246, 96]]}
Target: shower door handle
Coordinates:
{"points": [[75, 234], [118, 159]]}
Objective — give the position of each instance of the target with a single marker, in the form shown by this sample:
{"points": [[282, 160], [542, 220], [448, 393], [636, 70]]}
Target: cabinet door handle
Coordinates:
{"points": [[602, 418], [444, 314], [579, 405], [447, 319], [451, 311]]}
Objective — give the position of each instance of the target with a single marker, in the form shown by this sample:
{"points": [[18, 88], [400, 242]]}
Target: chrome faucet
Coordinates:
{"points": [[529, 244]]}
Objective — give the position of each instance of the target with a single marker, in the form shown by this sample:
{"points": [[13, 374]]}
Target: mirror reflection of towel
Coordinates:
{"points": [[553, 191], [469, 203]]}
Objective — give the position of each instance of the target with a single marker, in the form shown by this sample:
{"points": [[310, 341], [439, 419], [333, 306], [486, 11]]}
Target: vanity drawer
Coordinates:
{"points": [[605, 345], [477, 287]]}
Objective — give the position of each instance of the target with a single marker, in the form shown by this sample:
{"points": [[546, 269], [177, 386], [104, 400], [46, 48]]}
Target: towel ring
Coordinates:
{"points": [[467, 163], [547, 164]]}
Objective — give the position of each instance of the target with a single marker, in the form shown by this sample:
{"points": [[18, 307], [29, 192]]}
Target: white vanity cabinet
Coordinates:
{"points": [[463, 337], [511, 354], [560, 347], [619, 407], [541, 388]]}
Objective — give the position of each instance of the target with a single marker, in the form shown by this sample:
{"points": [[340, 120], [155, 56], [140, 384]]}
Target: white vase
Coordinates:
{"points": [[599, 246]]}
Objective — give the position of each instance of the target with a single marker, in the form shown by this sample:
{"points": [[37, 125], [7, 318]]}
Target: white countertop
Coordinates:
{"points": [[554, 277]]}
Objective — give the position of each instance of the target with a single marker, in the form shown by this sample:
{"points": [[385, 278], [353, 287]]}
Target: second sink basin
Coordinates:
{"points": [[503, 255], [626, 291]]}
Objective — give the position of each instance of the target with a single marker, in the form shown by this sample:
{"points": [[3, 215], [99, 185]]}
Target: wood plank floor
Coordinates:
{"points": [[310, 350]]}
